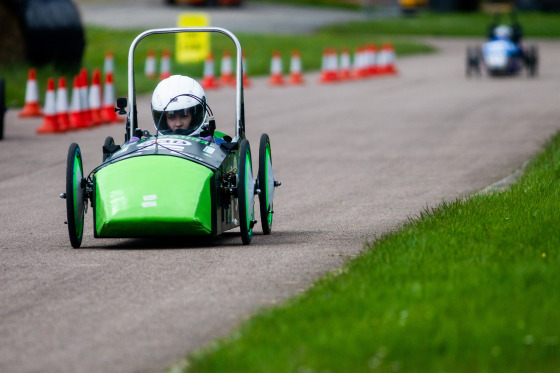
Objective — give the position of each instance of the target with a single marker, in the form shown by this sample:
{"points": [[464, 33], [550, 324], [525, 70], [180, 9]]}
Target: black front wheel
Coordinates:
{"points": [[266, 184], [75, 195], [245, 192]]}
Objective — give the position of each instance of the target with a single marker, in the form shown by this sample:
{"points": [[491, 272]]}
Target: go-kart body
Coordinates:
{"points": [[172, 185], [502, 57]]}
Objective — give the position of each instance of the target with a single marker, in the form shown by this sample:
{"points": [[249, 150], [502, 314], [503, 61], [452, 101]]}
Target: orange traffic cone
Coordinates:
{"points": [[95, 98], [345, 64], [50, 124], [246, 80], [388, 58], [329, 66], [372, 59], [165, 66], [84, 98], [150, 65], [75, 113], [31, 107], [108, 114], [360, 69], [209, 82], [276, 78], [295, 68], [62, 105], [108, 65], [226, 76]]}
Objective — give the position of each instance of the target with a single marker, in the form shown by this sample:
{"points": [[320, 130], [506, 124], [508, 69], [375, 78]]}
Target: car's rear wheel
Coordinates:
{"points": [[246, 192], [75, 195], [266, 184]]}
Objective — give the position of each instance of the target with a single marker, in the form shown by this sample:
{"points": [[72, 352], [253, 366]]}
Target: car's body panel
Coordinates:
{"points": [[153, 195]]}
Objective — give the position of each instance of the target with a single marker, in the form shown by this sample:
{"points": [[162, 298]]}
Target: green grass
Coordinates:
{"points": [[258, 49], [535, 25], [471, 286]]}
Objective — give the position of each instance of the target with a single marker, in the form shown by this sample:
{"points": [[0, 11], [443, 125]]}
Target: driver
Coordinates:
{"points": [[179, 107]]}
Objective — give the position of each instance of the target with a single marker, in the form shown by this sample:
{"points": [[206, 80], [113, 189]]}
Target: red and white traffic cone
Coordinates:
{"points": [[226, 73], [329, 66], [108, 64], [296, 76], [209, 81], [94, 99], [246, 80], [50, 124], [276, 77], [345, 64], [76, 114], [359, 68], [165, 66], [388, 53], [149, 65], [62, 105], [108, 114], [31, 107], [372, 60], [84, 98]]}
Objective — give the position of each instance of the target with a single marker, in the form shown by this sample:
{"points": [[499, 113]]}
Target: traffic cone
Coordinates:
{"points": [[246, 80], [360, 66], [389, 59], [62, 105], [276, 78], [226, 74], [108, 65], [209, 82], [31, 107], [50, 124], [329, 66], [95, 99], [295, 68], [150, 65], [345, 64], [84, 98], [75, 114], [372, 60], [108, 114], [165, 66]]}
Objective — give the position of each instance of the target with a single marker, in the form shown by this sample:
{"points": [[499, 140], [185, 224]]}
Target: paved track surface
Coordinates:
{"points": [[250, 17], [356, 160]]}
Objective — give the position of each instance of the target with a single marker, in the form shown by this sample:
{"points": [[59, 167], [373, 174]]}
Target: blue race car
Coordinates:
{"points": [[502, 54]]}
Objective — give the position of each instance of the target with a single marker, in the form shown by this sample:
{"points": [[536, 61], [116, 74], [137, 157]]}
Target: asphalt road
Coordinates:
{"points": [[250, 17], [356, 159]]}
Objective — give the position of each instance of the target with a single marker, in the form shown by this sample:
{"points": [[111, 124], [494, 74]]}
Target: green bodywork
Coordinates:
{"points": [[153, 195]]}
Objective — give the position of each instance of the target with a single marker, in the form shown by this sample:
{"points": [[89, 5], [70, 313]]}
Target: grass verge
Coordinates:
{"points": [[258, 49], [470, 286]]}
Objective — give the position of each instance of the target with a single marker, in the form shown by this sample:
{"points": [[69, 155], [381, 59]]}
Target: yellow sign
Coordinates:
{"points": [[192, 46]]}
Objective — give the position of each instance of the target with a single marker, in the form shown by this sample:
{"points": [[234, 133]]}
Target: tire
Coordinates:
{"points": [[533, 61], [266, 184], [246, 192], [109, 141], [75, 195]]}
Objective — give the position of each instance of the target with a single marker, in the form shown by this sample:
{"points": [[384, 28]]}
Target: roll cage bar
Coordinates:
{"points": [[132, 122]]}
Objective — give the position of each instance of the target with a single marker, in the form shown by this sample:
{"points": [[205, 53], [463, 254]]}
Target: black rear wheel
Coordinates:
{"points": [[75, 195]]}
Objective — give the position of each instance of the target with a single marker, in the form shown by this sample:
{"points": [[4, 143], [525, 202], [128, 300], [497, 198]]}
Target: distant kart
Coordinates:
{"points": [[502, 54], [172, 185]]}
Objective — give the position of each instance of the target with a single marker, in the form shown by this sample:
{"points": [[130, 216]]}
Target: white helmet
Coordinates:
{"points": [[503, 32], [179, 93]]}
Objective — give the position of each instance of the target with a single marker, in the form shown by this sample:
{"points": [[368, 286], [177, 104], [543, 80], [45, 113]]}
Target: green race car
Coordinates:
{"points": [[175, 182]]}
